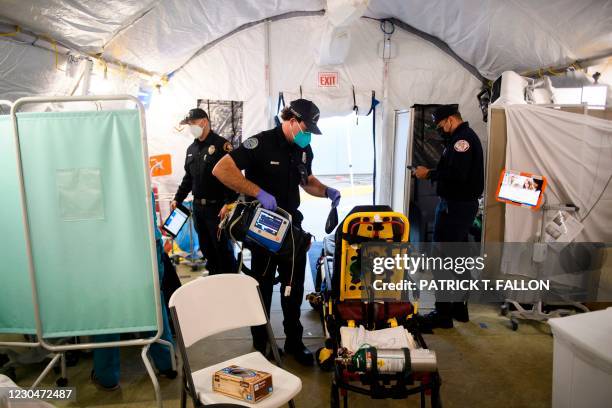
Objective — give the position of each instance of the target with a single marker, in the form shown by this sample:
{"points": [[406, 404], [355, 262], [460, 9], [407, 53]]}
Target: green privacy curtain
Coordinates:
{"points": [[89, 222], [16, 310]]}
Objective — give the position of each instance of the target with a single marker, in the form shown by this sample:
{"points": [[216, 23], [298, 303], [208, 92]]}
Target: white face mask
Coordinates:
{"points": [[195, 131]]}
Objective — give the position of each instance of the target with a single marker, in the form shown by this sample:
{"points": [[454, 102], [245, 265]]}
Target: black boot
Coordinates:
{"points": [[300, 352], [435, 320], [460, 312], [439, 318]]}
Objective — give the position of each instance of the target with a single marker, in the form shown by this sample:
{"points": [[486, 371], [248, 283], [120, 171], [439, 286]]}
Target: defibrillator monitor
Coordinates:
{"points": [[519, 188], [268, 229], [176, 220]]}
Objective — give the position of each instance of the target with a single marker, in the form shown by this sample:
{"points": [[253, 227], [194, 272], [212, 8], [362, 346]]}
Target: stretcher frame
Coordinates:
{"points": [[374, 384], [145, 343], [35, 344]]}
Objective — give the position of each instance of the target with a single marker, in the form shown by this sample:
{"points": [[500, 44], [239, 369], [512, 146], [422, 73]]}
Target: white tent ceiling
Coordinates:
{"points": [[223, 53], [160, 36]]}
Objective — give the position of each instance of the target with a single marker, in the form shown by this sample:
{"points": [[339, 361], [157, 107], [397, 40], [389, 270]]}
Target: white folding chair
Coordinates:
{"points": [[214, 304]]}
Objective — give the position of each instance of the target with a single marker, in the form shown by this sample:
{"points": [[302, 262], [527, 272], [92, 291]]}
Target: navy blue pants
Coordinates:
{"points": [[219, 253], [453, 220], [263, 268], [452, 224]]}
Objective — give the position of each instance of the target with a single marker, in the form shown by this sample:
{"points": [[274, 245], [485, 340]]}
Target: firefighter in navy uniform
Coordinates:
{"points": [[277, 162], [460, 182], [209, 194]]}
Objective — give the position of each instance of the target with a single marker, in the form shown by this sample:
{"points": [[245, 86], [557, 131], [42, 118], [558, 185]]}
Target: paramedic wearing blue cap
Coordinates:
{"points": [[277, 162], [460, 182]]}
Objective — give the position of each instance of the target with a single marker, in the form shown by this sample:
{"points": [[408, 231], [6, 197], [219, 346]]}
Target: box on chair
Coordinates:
{"points": [[243, 383]]}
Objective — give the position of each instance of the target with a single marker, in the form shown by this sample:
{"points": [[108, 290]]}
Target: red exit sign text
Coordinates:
{"points": [[328, 79]]}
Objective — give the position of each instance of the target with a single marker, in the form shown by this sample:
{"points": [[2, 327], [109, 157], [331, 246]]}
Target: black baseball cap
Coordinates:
{"points": [[444, 111], [307, 112], [194, 114]]}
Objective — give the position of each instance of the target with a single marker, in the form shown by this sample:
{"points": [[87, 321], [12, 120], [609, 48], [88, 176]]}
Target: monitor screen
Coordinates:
{"points": [[175, 221], [269, 223], [520, 188]]}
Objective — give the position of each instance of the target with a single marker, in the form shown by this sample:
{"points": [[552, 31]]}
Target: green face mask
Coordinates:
{"points": [[302, 138]]}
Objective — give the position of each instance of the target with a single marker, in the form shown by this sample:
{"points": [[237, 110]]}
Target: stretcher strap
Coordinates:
{"points": [[373, 112]]}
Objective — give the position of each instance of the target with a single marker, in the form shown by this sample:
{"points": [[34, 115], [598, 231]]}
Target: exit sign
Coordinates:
{"points": [[328, 79]]}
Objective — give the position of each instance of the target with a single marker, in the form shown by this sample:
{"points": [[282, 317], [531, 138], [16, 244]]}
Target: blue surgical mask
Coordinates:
{"points": [[302, 138]]}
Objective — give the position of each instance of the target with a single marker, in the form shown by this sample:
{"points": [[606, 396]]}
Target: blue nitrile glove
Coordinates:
{"points": [[333, 195], [267, 200]]}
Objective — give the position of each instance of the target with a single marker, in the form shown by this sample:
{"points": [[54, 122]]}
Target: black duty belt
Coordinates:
{"points": [[206, 201]]}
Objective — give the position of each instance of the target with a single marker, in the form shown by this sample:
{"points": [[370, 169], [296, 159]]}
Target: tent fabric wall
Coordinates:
{"points": [[502, 35], [172, 32], [159, 36], [234, 69], [231, 70], [573, 151], [28, 71], [86, 24]]}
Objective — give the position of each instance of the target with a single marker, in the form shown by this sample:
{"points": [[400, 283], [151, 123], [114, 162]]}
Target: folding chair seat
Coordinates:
{"points": [[212, 305]]}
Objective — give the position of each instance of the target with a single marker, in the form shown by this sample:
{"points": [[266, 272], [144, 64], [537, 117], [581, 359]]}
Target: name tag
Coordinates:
{"points": [[275, 163]]}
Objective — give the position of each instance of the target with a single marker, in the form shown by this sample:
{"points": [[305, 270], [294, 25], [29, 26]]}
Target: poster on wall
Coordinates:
{"points": [[160, 165], [225, 118]]}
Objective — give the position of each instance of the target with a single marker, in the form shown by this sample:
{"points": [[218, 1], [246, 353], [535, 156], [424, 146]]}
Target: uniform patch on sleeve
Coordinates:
{"points": [[251, 143], [462, 146], [227, 147]]}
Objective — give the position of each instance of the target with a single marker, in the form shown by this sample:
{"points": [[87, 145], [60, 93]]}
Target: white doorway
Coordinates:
{"points": [[344, 160], [400, 196]]}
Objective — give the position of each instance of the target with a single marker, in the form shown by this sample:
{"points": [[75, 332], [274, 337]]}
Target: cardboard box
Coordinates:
{"points": [[243, 383]]}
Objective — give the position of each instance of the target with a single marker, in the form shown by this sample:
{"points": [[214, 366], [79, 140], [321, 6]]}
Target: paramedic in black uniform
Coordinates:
{"points": [[209, 194], [276, 163], [460, 182]]}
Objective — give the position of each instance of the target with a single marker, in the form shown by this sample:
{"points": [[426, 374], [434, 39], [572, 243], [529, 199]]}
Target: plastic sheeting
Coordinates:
{"points": [[87, 24], [574, 152], [28, 71], [71, 256]]}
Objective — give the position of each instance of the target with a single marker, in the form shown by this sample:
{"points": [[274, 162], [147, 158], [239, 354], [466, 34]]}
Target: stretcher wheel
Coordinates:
{"points": [[503, 309], [314, 299], [61, 382], [325, 359], [514, 325]]}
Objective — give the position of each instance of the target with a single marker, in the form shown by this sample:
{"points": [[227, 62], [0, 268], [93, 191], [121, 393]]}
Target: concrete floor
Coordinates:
{"points": [[482, 364]]}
